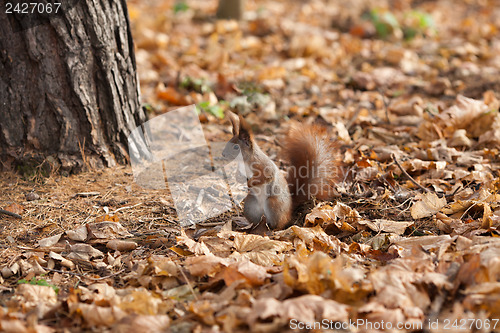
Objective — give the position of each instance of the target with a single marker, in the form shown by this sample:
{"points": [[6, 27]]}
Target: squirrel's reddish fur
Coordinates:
{"points": [[314, 163], [313, 172]]}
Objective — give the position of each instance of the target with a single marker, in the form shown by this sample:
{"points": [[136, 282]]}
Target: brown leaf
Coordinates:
{"points": [[487, 217], [340, 216], [260, 250], [317, 273], [95, 315], [205, 265], [252, 274], [107, 218], [306, 309], [49, 241], [162, 266], [193, 246], [171, 95], [80, 234], [8, 271], [141, 302], [316, 238], [142, 323], [427, 204], [84, 252], [15, 208], [121, 245], [13, 326], [396, 227], [272, 73], [248, 242], [64, 262], [484, 297], [468, 114], [40, 299], [428, 243], [375, 312], [34, 294], [107, 230]]}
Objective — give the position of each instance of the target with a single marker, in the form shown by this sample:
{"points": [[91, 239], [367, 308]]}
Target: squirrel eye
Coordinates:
{"points": [[236, 147]]}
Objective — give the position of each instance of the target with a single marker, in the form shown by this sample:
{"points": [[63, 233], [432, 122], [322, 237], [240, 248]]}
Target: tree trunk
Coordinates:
{"points": [[231, 9], [68, 86]]}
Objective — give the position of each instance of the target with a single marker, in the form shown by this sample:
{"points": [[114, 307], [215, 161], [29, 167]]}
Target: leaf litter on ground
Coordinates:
{"points": [[411, 92]]}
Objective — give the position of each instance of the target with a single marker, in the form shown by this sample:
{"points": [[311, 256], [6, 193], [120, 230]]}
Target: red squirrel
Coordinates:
{"points": [[272, 196]]}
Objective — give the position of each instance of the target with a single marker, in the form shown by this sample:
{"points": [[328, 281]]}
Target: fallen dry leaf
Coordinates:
{"points": [[306, 309], [142, 323], [107, 230], [193, 246], [340, 216], [49, 241], [397, 227], [206, 265], [95, 315], [15, 208], [80, 234], [316, 238], [121, 245], [260, 250], [427, 204], [252, 274], [389, 85], [84, 252]]}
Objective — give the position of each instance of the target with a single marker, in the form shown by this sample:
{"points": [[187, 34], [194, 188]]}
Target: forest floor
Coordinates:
{"points": [[410, 90]]}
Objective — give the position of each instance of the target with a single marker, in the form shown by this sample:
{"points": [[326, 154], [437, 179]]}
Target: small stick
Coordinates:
{"points": [[45, 249], [86, 194], [189, 284], [123, 208], [6, 212], [457, 190], [474, 204], [407, 175]]}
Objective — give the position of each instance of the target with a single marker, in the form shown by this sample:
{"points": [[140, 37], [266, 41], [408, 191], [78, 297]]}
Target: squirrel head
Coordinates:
{"points": [[242, 140]]}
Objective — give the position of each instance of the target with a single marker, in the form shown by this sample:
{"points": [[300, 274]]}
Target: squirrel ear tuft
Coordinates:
{"points": [[246, 134], [235, 121]]}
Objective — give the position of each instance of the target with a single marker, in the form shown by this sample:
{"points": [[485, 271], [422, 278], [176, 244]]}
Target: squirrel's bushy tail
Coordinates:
{"points": [[314, 163]]}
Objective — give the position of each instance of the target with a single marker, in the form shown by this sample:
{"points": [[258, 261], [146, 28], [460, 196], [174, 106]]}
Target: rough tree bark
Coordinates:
{"points": [[68, 86]]}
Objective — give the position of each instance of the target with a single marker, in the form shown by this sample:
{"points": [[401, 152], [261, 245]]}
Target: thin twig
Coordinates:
{"points": [[86, 194], [407, 175], [45, 249], [123, 208], [458, 190], [394, 207], [6, 212], [189, 284], [474, 204], [388, 183]]}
